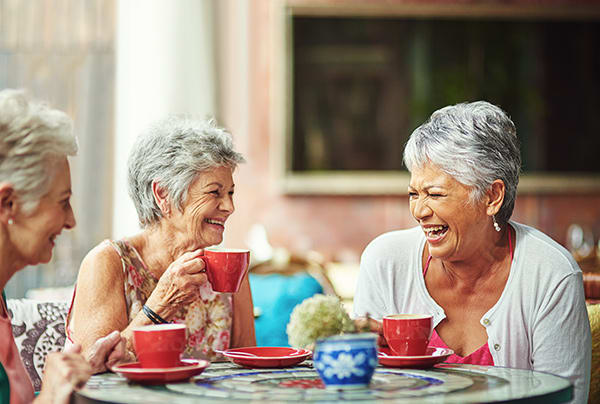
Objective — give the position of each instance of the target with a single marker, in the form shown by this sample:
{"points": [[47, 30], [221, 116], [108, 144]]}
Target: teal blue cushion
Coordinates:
{"points": [[276, 296]]}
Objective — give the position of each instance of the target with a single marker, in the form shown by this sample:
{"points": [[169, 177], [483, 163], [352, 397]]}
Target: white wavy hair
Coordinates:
{"points": [[475, 143], [173, 152], [33, 138]]}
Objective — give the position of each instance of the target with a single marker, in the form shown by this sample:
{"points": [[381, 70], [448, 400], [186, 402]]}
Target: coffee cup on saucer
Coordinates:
{"points": [[408, 334], [159, 345]]}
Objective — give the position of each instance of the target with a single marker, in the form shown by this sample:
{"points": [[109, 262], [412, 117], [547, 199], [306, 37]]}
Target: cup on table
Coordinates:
{"points": [[159, 345], [346, 361], [408, 334], [226, 268]]}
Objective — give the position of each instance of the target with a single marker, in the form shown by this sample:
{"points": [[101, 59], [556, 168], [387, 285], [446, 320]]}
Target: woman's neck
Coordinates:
{"points": [[9, 261], [488, 259], [158, 247]]}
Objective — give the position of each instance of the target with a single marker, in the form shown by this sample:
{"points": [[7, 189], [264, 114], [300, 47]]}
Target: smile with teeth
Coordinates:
{"points": [[435, 231], [216, 222]]}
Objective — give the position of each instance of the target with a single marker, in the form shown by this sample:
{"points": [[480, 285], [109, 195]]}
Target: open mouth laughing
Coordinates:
{"points": [[435, 233]]}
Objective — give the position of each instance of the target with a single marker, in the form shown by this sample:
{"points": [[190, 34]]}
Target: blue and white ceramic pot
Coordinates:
{"points": [[346, 361]]}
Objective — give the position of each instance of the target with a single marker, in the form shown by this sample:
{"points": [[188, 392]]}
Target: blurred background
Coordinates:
{"points": [[320, 96]]}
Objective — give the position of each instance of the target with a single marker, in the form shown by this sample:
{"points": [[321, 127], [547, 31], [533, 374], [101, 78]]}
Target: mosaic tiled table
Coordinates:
{"points": [[444, 383]]}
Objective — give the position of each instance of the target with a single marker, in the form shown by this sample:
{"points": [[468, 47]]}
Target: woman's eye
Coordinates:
{"points": [[412, 194], [215, 192]]}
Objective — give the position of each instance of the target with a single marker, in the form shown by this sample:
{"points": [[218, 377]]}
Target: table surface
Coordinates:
{"points": [[447, 383]]}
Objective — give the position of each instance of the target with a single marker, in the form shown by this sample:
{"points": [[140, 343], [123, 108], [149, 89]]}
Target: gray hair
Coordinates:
{"points": [[173, 152], [475, 143], [33, 138]]}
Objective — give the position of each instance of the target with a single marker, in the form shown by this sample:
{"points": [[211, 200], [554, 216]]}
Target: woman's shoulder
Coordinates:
{"points": [[394, 245], [105, 255], [105, 250], [538, 250], [396, 239]]}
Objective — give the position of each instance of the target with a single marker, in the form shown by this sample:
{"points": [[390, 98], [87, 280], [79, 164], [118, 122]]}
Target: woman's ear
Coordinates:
{"points": [[495, 197], [161, 198], [8, 203]]}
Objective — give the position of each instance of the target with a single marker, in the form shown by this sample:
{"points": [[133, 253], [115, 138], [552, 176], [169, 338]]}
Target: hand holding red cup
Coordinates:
{"points": [[226, 268]]}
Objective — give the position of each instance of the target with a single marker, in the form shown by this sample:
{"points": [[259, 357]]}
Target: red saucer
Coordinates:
{"points": [[433, 355], [266, 357], [134, 372]]}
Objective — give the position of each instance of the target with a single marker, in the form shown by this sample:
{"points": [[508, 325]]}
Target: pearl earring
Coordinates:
{"points": [[496, 225], [10, 221]]}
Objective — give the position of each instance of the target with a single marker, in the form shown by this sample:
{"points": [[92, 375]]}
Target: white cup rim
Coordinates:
{"points": [[227, 250], [160, 327], [408, 316], [345, 337]]}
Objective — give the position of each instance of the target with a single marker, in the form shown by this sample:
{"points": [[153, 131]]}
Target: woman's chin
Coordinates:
{"points": [[43, 258], [208, 242]]}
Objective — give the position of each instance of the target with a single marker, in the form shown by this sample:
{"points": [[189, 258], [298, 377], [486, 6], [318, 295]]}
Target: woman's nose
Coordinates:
{"points": [[420, 209], [227, 204], [70, 219]]}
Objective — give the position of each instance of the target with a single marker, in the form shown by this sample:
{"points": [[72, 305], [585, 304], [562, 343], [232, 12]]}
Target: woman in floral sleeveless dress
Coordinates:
{"points": [[181, 182]]}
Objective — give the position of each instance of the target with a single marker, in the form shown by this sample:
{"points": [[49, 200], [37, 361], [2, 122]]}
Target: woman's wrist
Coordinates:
{"points": [[153, 316]]}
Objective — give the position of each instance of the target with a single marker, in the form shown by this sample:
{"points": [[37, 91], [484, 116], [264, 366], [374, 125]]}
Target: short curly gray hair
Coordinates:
{"points": [[33, 138], [173, 152], [476, 143]]}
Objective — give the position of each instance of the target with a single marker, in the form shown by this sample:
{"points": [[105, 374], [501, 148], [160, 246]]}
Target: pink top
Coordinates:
{"points": [[481, 356], [21, 389]]}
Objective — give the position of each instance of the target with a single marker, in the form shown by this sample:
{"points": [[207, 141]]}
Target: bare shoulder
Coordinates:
{"points": [[101, 264]]}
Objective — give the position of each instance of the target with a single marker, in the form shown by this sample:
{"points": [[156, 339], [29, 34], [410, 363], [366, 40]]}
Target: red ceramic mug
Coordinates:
{"points": [[226, 268], [159, 345], [408, 334]]}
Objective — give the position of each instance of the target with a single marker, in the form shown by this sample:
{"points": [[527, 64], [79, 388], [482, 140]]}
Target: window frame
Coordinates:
{"points": [[391, 182]]}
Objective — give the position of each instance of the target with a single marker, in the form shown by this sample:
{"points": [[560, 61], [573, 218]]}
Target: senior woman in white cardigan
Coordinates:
{"points": [[500, 292], [35, 192]]}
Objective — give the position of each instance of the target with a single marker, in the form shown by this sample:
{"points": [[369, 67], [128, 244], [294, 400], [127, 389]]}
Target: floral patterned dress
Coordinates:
{"points": [[208, 319]]}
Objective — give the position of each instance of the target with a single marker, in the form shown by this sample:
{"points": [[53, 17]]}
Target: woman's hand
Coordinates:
{"points": [[106, 352], [368, 324], [64, 372], [179, 284]]}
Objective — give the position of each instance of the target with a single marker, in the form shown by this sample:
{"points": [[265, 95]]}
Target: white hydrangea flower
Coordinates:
{"points": [[317, 317]]}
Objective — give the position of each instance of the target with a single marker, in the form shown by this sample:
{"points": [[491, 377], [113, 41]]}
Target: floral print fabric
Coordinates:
{"points": [[208, 319]]}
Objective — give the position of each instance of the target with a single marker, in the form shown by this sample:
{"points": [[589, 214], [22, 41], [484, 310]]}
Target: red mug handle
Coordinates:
{"points": [[203, 258]]}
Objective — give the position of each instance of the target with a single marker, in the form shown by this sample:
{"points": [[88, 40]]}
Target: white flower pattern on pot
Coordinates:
{"points": [[344, 366]]}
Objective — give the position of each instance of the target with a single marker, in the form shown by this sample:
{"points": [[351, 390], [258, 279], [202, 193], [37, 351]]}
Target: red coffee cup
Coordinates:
{"points": [[159, 345], [226, 268], [408, 334]]}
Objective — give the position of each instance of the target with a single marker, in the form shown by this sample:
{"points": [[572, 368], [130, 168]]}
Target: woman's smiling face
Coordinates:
{"points": [[208, 204], [38, 230], [453, 225]]}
